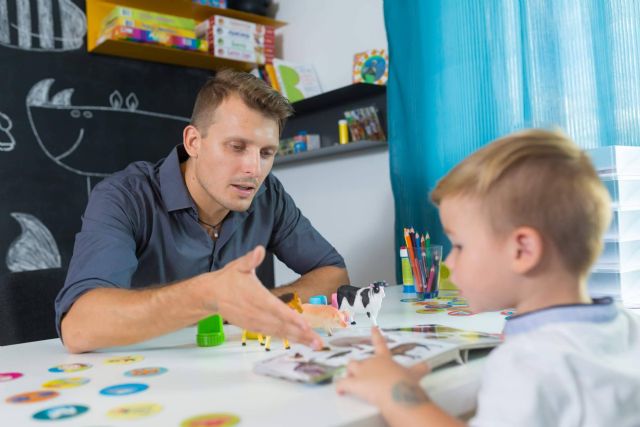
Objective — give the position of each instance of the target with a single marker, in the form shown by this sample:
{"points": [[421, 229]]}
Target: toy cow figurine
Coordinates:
{"points": [[324, 316], [361, 300]]}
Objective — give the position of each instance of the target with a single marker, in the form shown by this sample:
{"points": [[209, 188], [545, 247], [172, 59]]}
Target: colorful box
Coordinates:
{"points": [[238, 40], [151, 18]]}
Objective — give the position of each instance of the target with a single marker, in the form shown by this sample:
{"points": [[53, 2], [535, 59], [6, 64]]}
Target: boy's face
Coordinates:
{"points": [[479, 261]]}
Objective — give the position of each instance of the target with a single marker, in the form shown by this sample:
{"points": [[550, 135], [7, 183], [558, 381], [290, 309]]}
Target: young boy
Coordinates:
{"points": [[525, 216]]}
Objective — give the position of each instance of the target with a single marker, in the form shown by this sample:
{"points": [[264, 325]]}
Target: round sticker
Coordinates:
{"points": [[123, 389], [9, 376], [461, 312], [411, 300], [145, 372], [70, 367], [32, 396], [133, 411], [458, 304], [123, 360], [429, 310], [432, 304], [211, 420], [66, 383], [60, 412]]}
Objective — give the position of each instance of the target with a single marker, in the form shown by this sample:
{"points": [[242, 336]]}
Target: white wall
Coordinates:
{"points": [[327, 33], [348, 199]]}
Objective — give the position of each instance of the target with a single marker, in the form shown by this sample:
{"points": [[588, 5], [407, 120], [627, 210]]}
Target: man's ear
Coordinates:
{"points": [[192, 140], [526, 247]]}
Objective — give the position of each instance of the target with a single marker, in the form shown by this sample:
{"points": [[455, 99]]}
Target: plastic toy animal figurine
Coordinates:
{"points": [[361, 300], [293, 301], [324, 316]]}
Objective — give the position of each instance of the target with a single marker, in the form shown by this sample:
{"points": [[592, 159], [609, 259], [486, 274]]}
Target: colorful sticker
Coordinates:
{"points": [[123, 389], [70, 367], [430, 310], [123, 360], [432, 304], [145, 372], [66, 383], [60, 412], [9, 376], [211, 420], [32, 396], [411, 299], [133, 411], [458, 303], [461, 312]]}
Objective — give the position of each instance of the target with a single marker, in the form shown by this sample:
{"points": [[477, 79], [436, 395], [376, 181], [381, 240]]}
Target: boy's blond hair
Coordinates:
{"points": [[540, 179]]}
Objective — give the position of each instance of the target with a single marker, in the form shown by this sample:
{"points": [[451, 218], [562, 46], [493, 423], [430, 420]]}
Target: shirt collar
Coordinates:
{"points": [[174, 191], [602, 310], [172, 187]]}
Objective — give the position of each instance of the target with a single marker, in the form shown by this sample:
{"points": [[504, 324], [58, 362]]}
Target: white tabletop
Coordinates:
{"points": [[220, 379]]}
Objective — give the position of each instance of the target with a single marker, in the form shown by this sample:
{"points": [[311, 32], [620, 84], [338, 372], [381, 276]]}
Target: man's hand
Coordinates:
{"points": [[239, 297]]}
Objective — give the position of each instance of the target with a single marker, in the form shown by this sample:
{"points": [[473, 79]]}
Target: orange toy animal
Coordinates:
{"points": [[293, 301], [324, 316]]}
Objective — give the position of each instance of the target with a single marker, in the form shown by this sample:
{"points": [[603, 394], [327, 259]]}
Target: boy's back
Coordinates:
{"points": [[575, 365]]}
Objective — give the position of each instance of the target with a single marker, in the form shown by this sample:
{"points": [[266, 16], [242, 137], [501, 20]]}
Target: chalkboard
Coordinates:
{"points": [[69, 118]]}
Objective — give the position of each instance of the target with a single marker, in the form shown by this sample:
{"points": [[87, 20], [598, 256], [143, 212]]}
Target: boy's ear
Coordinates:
{"points": [[526, 249], [192, 140]]}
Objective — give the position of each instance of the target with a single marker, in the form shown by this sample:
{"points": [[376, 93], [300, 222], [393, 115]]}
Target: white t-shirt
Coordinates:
{"points": [[575, 365]]}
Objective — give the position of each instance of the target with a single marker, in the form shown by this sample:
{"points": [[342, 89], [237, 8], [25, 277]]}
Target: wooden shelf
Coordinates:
{"points": [[338, 96], [98, 9], [333, 150]]}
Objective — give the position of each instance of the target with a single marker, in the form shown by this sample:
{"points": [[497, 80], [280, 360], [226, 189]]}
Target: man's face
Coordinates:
{"points": [[479, 261], [236, 155]]}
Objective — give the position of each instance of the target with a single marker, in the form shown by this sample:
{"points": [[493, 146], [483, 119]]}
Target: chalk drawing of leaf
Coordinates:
{"points": [[115, 99], [132, 102]]}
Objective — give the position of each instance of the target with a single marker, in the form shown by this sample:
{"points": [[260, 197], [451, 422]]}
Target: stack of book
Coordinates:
{"points": [[141, 26], [617, 272], [238, 40]]}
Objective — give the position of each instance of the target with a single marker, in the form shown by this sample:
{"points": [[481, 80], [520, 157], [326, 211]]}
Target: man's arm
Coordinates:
{"points": [[107, 317], [321, 281]]}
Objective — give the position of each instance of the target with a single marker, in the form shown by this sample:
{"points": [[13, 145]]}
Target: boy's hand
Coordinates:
{"points": [[379, 380]]}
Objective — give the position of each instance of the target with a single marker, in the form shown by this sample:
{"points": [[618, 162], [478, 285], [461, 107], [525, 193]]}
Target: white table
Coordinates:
{"points": [[220, 379]]}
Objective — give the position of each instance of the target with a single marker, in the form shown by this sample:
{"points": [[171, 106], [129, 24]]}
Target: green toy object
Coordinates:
{"points": [[210, 332]]}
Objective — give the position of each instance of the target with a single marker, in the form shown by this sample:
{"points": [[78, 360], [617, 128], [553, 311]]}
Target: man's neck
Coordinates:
{"points": [[209, 211]]}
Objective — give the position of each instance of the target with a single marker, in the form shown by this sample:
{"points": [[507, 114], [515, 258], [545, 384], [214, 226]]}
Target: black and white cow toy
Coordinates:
{"points": [[361, 300]]}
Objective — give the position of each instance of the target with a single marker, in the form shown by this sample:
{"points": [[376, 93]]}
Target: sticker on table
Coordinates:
{"points": [[508, 314], [461, 312], [134, 411], [429, 310], [146, 372], [432, 304], [32, 396], [66, 383], [212, 420], [458, 303], [411, 300], [70, 367], [9, 376], [61, 412], [123, 389], [123, 360]]}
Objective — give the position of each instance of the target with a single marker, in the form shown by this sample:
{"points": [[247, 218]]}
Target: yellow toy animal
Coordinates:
{"points": [[293, 301]]}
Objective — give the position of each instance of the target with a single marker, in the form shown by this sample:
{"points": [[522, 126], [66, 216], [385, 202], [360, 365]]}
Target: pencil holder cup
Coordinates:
{"points": [[433, 260]]}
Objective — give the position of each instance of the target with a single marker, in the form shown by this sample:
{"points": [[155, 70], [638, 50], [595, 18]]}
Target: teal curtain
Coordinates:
{"points": [[464, 72]]}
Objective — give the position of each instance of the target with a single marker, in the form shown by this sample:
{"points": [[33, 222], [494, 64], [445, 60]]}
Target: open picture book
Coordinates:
{"points": [[436, 344]]}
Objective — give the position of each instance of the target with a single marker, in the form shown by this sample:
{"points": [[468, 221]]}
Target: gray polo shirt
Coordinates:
{"points": [[141, 228]]}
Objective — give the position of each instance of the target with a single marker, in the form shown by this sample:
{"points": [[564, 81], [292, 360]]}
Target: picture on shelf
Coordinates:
{"points": [[296, 81], [371, 66], [364, 124]]}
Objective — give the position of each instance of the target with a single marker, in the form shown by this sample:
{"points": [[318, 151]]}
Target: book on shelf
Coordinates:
{"points": [[296, 81], [436, 344]]}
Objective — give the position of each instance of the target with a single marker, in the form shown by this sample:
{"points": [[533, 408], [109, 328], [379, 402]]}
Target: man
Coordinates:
{"points": [[163, 246]]}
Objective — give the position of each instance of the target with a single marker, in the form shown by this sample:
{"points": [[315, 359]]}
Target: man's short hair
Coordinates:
{"points": [[255, 93], [540, 179]]}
